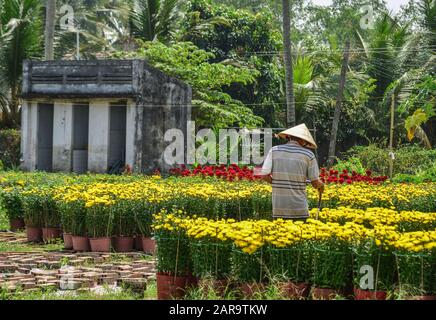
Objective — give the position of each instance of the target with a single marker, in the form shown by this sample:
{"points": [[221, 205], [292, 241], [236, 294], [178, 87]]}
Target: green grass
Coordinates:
{"points": [[106, 294], [29, 247]]}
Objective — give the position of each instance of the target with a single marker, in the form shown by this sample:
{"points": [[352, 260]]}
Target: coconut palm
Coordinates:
{"points": [[20, 39], [155, 19]]}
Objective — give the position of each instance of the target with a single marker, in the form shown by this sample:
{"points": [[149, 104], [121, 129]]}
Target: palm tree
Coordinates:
{"points": [[20, 39], [155, 19]]}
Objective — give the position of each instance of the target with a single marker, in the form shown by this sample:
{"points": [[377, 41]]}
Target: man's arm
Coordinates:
{"points": [[313, 174], [267, 178], [265, 172]]}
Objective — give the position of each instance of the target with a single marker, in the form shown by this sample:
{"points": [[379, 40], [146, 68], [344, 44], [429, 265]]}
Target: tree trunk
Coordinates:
{"points": [[289, 72], [337, 116], [50, 29], [391, 137]]}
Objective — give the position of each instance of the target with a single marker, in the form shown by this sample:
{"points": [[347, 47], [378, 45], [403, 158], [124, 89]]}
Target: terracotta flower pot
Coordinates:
{"points": [[148, 245], [123, 244], [102, 244], [249, 290], [34, 234], [172, 287], [295, 290], [68, 241], [324, 294], [138, 243], [17, 224], [360, 294], [81, 244], [49, 234]]}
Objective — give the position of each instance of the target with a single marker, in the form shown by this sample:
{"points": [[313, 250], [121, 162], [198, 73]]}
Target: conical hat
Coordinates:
{"points": [[301, 132]]}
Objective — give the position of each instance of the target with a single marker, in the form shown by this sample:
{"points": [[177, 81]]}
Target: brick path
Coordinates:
{"points": [[71, 271]]}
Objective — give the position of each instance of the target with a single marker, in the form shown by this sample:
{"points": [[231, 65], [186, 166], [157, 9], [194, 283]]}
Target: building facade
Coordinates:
{"points": [[99, 116]]}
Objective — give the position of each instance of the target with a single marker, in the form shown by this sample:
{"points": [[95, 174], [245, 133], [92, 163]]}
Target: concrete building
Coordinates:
{"points": [[98, 116]]}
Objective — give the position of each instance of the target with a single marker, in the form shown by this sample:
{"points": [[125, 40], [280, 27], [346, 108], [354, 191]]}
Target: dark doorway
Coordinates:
{"points": [[117, 137], [45, 137], [80, 137]]}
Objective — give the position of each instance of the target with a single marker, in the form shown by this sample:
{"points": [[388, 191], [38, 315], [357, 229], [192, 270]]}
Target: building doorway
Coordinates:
{"points": [[117, 137], [45, 137]]}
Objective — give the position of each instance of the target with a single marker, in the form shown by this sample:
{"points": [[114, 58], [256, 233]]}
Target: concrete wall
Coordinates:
{"points": [[98, 152], [62, 136], [29, 135], [166, 104]]}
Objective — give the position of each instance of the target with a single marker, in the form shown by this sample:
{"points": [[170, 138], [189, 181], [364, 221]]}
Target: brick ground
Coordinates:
{"points": [[71, 271]]}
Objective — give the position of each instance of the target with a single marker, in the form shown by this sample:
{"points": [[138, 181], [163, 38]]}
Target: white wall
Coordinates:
{"points": [[98, 136], [62, 136]]}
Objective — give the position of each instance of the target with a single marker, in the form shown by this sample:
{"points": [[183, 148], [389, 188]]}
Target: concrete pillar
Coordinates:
{"points": [[29, 135], [134, 136], [62, 136], [98, 152]]}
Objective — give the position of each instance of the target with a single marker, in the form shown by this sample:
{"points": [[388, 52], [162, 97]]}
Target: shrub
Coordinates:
{"points": [[12, 202], [408, 159], [99, 222], [211, 258], [10, 142], [248, 268]]}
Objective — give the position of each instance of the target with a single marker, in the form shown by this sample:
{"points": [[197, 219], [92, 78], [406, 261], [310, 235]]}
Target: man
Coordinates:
{"points": [[288, 167]]}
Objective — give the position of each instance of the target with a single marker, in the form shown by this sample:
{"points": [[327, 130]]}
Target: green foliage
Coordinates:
{"points": [[248, 268], [99, 222], [423, 175], [173, 254], [332, 260], [416, 273], [212, 107], [351, 164], [294, 264], [10, 148], [11, 202], [211, 259], [382, 262], [20, 39], [408, 159]]}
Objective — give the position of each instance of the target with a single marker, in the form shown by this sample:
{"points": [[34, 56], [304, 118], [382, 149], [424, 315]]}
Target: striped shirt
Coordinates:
{"points": [[291, 166]]}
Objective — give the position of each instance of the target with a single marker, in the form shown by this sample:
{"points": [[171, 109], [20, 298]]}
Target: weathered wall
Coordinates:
{"points": [[166, 104]]}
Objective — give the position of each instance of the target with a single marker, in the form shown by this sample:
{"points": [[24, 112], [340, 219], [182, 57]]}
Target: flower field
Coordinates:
{"points": [[209, 227]]}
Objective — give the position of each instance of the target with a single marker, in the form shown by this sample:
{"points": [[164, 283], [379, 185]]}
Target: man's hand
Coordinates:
{"points": [[267, 178], [318, 185]]}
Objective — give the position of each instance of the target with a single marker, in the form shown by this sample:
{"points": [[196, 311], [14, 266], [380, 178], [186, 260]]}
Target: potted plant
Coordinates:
{"points": [[11, 201], [174, 263], [294, 265], [33, 216], [416, 274], [99, 226], [332, 268], [382, 262], [248, 270], [51, 217], [124, 226], [143, 215], [67, 220], [80, 237], [211, 261]]}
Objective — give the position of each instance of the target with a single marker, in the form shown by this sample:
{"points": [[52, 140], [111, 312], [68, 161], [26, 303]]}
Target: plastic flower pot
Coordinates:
{"points": [[123, 244], [138, 243], [34, 234], [360, 294], [16, 224], [172, 287], [102, 244], [295, 290], [68, 241], [148, 245], [324, 294], [49, 234], [81, 244]]}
